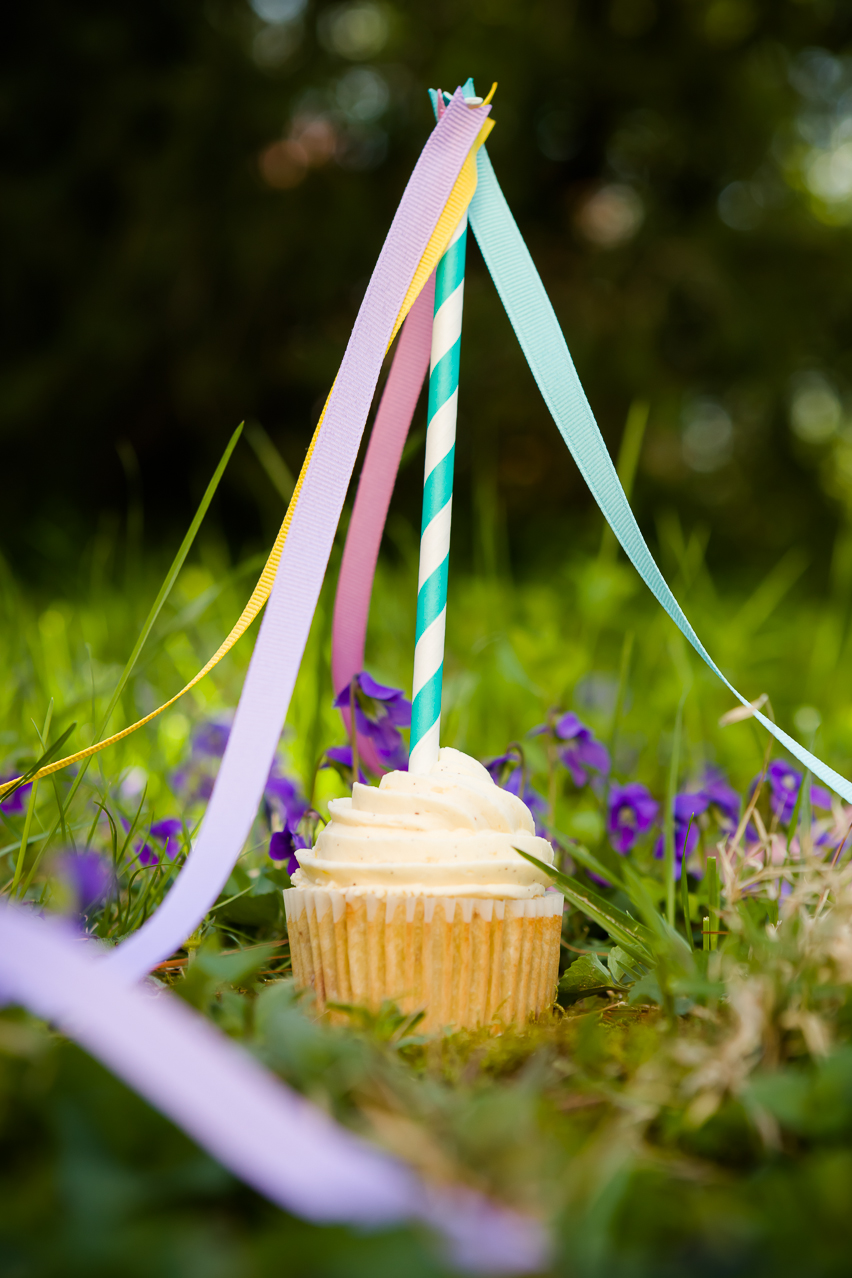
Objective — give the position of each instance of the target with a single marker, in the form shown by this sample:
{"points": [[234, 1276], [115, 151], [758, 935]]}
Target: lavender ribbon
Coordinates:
{"points": [[272, 1138], [265, 1133], [284, 631]]}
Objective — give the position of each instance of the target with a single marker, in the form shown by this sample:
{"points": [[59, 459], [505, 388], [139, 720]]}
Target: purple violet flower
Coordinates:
{"points": [[340, 758], [723, 798], [284, 796], [784, 783], [146, 854], [686, 808], [88, 876], [379, 714], [714, 793], [582, 752], [196, 778], [631, 811], [506, 771], [167, 832], [825, 838], [209, 739], [501, 767], [17, 801], [284, 846], [193, 781], [191, 784]]}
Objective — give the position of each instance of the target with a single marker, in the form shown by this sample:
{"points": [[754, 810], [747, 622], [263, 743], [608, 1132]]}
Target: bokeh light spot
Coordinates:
{"points": [[356, 31], [362, 94], [273, 45], [283, 164], [611, 216], [708, 435], [816, 412], [279, 10]]}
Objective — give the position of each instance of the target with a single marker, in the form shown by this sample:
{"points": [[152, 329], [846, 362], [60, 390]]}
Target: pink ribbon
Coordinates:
{"points": [[263, 1131], [375, 487], [284, 630]]}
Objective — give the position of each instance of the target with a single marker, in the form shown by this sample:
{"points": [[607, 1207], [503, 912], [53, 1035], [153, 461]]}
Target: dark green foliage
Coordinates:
{"points": [[157, 290], [815, 1104], [94, 1183], [698, 1119], [588, 1116], [586, 975]]}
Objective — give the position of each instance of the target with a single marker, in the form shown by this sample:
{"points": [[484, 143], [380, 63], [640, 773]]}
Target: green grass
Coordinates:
{"points": [[697, 1119]]}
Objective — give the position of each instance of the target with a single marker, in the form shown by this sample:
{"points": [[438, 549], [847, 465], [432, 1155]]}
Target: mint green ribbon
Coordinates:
{"points": [[537, 329]]}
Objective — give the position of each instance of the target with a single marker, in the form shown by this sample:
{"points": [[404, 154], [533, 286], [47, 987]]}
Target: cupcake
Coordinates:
{"points": [[415, 892]]}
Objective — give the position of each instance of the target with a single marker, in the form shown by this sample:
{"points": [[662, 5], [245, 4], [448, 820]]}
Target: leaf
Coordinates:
{"points": [[621, 966], [586, 973], [210, 970], [235, 966], [249, 902], [648, 988]]}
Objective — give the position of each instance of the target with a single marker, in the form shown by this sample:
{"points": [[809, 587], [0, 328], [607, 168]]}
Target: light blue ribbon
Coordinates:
{"points": [[537, 329]]}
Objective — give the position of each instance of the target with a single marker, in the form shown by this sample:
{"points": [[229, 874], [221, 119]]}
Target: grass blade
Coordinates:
{"points": [[28, 820], [684, 904], [713, 901], [40, 762], [668, 820], [624, 671], [25, 838], [162, 596], [629, 934], [156, 607], [170, 578], [768, 595], [628, 460], [277, 471], [589, 861]]}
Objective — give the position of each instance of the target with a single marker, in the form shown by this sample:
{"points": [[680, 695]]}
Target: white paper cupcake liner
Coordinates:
{"points": [[465, 961]]}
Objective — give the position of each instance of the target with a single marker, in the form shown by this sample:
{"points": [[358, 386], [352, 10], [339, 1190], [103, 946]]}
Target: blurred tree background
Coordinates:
{"points": [[193, 196]]}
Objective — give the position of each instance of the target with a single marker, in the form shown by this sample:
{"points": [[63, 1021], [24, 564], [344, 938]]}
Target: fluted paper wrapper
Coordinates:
{"points": [[466, 962]]}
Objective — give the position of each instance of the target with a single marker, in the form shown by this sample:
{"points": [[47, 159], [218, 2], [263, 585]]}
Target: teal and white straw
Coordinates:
{"points": [[437, 504]]}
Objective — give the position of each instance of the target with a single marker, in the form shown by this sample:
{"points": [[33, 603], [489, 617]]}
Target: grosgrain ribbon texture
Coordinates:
{"points": [[280, 644], [265, 1133], [456, 205], [532, 316]]}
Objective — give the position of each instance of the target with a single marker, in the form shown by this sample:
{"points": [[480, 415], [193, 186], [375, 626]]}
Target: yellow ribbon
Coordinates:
{"points": [[460, 197]]}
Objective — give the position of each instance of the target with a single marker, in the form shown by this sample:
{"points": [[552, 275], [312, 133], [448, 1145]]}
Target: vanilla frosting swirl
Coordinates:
{"points": [[451, 832]]}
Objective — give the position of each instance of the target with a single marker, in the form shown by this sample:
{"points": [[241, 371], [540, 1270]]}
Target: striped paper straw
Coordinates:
{"points": [[437, 504]]}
